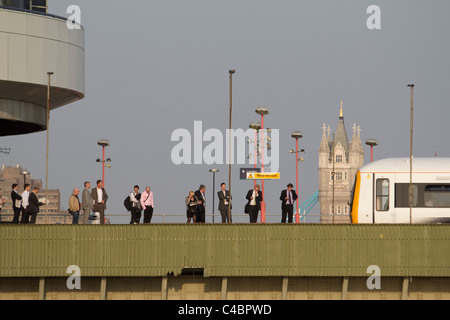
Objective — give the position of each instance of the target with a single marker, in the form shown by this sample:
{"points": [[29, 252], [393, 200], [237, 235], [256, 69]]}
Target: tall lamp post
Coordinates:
{"points": [[411, 155], [262, 111], [214, 189], [231, 72], [372, 143], [104, 144], [49, 74], [297, 135]]}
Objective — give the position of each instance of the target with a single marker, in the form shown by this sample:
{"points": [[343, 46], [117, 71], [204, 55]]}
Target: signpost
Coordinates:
{"points": [[263, 175]]}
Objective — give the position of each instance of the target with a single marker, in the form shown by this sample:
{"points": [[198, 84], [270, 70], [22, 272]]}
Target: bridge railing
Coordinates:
{"points": [[124, 218]]}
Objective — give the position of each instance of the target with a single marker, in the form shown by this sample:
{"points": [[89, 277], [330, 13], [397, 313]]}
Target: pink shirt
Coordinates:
{"points": [[146, 199]]}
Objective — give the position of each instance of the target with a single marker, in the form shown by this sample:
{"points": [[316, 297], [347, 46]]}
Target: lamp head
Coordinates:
{"points": [[255, 126], [262, 111], [372, 142], [297, 135], [103, 143]]}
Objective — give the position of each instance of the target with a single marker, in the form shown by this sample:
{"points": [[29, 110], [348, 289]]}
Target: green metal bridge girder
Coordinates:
{"points": [[225, 250]]}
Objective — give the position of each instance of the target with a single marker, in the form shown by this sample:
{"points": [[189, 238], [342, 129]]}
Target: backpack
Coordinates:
{"points": [[127, 203]]}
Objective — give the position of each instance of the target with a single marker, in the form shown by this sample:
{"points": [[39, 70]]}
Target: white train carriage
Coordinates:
{"points": [[381, 191]]}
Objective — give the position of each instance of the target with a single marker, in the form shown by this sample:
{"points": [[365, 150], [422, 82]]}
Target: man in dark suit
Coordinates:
{"points": [[99, 198], [201, 212], [224, 202], [254, 198], [33, 205], [288, 197], [16, 205]]}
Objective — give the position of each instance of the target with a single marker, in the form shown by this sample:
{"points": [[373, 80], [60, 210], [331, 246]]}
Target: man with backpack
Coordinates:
{"points": [[136, 208]]}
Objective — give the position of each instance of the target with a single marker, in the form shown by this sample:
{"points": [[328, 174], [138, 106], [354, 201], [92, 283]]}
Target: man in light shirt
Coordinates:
{"points": [[147, 204], [25, 196], [99, 198]]}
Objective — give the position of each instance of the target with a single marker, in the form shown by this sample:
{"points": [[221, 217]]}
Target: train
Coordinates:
{"points": [[381, 192]]}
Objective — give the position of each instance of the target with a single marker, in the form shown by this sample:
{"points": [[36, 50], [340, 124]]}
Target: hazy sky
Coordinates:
{"points": [[155, 66]]}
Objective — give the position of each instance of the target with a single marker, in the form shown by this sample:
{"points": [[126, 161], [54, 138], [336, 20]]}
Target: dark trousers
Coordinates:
{"points": [[148, 214], [16, 215], [100, 208], [25, 216], [33, 217], [253, 214], [287, 211], [201, 215], [135, 215], [224, 214]]}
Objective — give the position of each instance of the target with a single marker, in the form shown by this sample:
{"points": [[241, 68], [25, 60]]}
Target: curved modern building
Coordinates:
{"points": [[33, 43]]}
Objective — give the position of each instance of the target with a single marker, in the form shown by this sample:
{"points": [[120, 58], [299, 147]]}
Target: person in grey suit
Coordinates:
{"points": [[224, 197], [86, 202], [99, 198]]}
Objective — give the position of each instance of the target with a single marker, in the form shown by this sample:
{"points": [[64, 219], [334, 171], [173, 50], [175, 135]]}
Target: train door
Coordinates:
{"points": [[383, 204]]}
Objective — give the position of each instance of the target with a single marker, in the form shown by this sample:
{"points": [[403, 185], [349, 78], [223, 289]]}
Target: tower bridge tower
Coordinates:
{"points": [[339, 160]]}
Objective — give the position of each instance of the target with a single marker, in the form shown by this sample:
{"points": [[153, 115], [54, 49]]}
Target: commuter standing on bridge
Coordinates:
{"points": [[25, 197], [16, 203], [200, 194], [136, 208], [74, 206], [288, 197], [147, 204], [191, 207], [99, 198], [86, 202], [224, 202], [33, 205], [254, 198]]}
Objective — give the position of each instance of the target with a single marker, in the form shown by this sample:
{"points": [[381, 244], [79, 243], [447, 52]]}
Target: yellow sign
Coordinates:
{"points": [[263, 175]]}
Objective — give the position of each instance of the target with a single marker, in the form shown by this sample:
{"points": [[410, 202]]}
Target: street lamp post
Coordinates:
{"points": [[25, 173], [262, 111], [231, 72], [372, 143], [297, 135], [214, 190], [49, 74], [104, 143], [411, 155]]}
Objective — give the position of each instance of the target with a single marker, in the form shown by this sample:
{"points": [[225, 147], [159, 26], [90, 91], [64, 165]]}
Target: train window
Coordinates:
{"points": [[382, 194], [402, 195], [437, 196]]}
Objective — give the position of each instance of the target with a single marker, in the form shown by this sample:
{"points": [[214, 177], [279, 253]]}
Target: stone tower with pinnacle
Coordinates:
{"points": [[335, 185]]}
